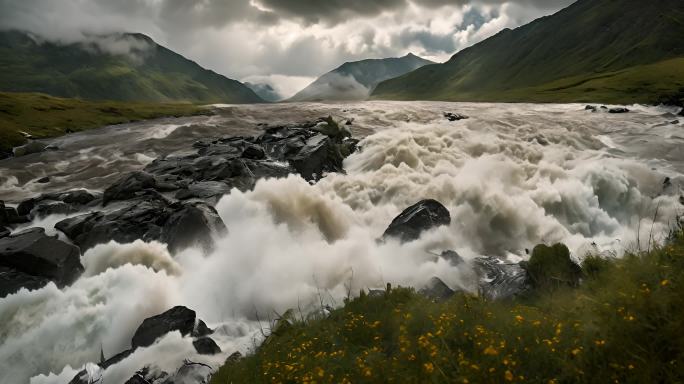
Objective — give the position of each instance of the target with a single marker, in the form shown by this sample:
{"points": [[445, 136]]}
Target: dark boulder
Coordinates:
{"points": [[618, 110], [437, 290], [57, 203], [177, 318], [4, 232], [206, 346], [193, 224], [454, 116], [11, 281], [681, 113], [590, 108], [43, 180], [9, 216], [551, 268], [179, 225], [30, 258], [201, 329], [310, 149], [319, 155], [416, 219], [129, 187]]}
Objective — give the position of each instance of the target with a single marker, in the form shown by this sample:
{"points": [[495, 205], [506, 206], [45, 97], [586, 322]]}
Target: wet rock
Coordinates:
{"points": [[318, 156], [618, 110], [454, 116], [674, 122], [177, 318], [590, 108], [43, 180], [681, 113], [206, 346], [179, 225], [253, 152], [4, 232], [310, 149], [9, 216], [437, 290], [29, 148], [500, 279], [129, 186], [57, 203], [190, 225], [201, 329], [11, 281], [205, 190], [416, 219], [33, 253]]}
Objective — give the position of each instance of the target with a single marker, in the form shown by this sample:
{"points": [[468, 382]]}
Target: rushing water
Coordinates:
{"points": [[512, 176]]}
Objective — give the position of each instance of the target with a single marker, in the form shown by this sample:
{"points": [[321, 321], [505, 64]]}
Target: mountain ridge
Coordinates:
{"points": [[587, 38], [355, 80], [120, 66]]}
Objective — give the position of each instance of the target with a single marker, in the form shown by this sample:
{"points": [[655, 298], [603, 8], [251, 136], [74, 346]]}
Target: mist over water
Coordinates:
{"points": [[512, 176]]}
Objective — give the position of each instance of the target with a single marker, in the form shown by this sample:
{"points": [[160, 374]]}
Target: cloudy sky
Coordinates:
{"points": [[286, 43]]}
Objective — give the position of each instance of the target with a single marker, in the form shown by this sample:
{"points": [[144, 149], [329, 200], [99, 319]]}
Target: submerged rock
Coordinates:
{"points": [[31, 258], [618, 110], [29, 148], [454, 116], [179, 225], [416, 219]]}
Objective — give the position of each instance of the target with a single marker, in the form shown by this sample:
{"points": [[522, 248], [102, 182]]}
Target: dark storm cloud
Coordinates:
{"points": [[432, 43], [278, 38]]}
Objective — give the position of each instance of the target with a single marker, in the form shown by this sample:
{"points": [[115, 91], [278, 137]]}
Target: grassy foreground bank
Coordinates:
{"points": [[44, 116], [623, 324]]}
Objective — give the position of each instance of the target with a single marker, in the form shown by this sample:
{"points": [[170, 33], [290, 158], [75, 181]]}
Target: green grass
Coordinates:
{"points": [[44, 116], [623, 324], [647, 84]]}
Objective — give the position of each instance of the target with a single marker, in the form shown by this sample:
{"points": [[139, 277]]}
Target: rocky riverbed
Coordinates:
{"points": [[116, 242]]}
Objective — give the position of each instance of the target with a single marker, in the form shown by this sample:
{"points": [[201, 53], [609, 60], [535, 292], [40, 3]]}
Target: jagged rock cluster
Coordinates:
{"points": [[170, 201], [177, 319]]}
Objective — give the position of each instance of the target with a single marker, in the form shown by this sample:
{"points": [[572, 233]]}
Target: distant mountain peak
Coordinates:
{"points": [[356, 80]]}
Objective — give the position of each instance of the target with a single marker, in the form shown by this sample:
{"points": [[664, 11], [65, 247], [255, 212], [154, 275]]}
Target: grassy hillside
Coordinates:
{"points": [[45, 116], [365, 74], [124, 67], [588, 39], [622, 325]]}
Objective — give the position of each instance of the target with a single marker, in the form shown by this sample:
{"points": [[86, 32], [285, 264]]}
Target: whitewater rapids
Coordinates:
{"points": [[512, 176]]}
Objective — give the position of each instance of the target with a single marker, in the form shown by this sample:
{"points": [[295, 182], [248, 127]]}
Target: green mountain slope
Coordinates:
{"points": [[356, 80], [541, 60], [123, 67]]}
